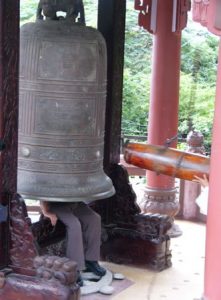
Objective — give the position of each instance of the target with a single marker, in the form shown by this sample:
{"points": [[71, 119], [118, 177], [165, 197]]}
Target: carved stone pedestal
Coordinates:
{"points": [[190, 210], [162, 202], [28, 275], [125, 246], [131, 236], [28, 287]]}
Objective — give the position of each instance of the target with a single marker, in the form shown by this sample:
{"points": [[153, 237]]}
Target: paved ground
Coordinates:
{"points": [[183, 281]]}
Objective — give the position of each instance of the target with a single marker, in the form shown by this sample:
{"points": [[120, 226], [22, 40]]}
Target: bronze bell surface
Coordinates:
{"points": [[62, 112]]}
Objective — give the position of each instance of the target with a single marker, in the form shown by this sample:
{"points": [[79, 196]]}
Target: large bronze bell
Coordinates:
{"points": [[62, 112]]}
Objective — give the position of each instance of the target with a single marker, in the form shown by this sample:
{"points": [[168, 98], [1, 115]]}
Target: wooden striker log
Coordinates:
{"points": [[167, 161]]}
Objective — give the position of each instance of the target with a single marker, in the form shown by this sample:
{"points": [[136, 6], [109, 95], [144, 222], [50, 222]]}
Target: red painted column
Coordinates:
{"points": [[207, 13], [163, 111], [213, 240]]}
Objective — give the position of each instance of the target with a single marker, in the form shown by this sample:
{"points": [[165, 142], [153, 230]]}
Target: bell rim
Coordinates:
{"points": [[89, 198]]}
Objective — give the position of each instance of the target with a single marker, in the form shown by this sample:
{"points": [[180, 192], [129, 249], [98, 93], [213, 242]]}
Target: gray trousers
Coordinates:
{"points": [[83, 227]]}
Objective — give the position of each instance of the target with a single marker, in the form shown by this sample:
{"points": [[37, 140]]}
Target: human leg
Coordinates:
{"points": [[91, 231], [74, 248]]}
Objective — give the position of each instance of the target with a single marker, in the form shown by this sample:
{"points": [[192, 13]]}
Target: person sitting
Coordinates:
{"points": [[83, 227]]}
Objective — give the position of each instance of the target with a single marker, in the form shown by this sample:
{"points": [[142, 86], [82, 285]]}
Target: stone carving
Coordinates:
{"points": [[56, 276], [18, 287], [162, 202], [191, 190], [123, 207], [195, 141], [22, 240], [130, 236], [51, 240], [49, 8], [56, 268]]}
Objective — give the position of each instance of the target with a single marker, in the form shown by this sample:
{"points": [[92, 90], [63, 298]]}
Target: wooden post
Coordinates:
{"points": [[111, 23], [9, 50]]}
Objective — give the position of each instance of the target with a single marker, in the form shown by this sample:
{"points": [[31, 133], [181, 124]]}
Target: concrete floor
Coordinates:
{"points": [[183, 281]]}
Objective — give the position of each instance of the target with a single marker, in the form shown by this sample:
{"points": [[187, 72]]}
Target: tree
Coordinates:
{"points": [[198, 81], [137, 70]]}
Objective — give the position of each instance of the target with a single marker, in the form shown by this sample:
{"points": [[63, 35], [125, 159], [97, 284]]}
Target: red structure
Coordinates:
{"points": [[165, 19], [208, 14], [213, 245]]}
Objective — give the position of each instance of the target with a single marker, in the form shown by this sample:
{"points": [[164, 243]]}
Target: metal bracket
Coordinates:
{"points": [[3, 213]]}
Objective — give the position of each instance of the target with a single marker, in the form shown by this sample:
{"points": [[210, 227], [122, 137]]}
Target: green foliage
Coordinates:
{"points": [[196, 107], [28, 10], [199, 54], [198, 81], [90, 7], [135, 109], [138, 45], [137, 65]]}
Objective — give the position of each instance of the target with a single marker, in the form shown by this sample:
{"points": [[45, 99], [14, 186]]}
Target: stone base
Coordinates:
{"points": [[174, 231], [28, 287], [154, 254], [161, 201]]}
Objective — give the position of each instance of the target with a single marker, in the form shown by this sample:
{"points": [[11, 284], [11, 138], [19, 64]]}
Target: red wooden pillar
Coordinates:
{"points": [[165, 19], [208, 14], [213, 241]]}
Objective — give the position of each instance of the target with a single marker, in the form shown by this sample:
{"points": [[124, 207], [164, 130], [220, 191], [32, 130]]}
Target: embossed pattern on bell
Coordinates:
{"points": [[62, 113]]}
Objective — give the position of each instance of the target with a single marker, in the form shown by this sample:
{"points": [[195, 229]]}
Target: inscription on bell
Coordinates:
{"points": [[71, 61], [67, 111]]}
